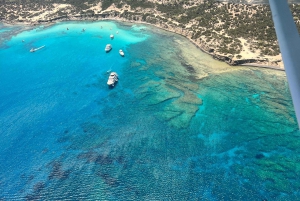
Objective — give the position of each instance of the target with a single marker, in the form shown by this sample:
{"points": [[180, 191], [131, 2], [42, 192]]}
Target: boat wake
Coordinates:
{"points": [[36, 49]]}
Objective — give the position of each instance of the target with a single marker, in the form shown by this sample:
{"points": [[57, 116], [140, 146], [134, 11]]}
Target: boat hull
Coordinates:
{"points": [[112, 79]]}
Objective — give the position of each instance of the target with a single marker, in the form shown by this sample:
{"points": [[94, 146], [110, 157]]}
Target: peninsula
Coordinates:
{"points": [[234, 33]]}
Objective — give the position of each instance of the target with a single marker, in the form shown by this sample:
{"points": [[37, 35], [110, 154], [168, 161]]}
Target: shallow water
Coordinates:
{"points": [[178, 125]]}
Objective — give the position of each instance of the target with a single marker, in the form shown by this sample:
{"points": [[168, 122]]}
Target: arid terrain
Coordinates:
{"points": [[232, 32]]}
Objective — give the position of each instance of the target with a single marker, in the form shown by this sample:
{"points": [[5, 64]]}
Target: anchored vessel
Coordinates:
{"points": [[112, 79], [111, 36], [121, 53], [108, 47]]}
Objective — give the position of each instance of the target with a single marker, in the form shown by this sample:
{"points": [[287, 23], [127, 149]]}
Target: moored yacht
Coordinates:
{"points": [[111, 36], [121, 53], [108, 47], [112, 79]]}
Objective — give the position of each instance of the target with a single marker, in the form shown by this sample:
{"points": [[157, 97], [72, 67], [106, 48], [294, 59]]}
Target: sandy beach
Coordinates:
{"points": [[247, 56]]}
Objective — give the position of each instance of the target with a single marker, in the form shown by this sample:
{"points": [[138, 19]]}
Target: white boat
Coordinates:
{"points": [[112, 79], [108, 47], [111, 36], [121, 53], [36, 49]]}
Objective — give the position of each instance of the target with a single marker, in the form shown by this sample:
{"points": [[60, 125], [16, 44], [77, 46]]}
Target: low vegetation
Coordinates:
{"points": [[217, 26]]}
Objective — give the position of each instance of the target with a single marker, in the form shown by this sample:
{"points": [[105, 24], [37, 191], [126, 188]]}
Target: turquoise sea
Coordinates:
{"points": [[179, 125]]}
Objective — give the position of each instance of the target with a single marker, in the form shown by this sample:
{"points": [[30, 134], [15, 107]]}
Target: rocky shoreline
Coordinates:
{"points": [[263, 63]]}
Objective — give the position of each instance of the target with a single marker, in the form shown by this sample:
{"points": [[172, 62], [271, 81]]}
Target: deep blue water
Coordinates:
{"points": [[178, 125]]}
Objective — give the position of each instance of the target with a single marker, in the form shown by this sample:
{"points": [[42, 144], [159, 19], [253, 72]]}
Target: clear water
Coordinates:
{"points": [[178, 125]]}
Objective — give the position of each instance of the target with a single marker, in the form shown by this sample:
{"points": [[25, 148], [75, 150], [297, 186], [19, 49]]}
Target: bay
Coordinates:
{"points": [[179, 125]]}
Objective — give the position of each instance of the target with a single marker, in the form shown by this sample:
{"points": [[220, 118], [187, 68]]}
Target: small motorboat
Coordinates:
{"points": [[111, 36], [121, 53], [108, 47], [112, 79], [36, 49]]}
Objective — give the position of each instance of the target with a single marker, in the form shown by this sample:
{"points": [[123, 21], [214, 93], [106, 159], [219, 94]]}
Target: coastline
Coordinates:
{"points": [[262, 66], [262, 63]]}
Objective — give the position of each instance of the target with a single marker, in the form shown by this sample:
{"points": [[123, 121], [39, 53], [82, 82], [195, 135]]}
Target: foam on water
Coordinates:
{"points": [[178, 125]]}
